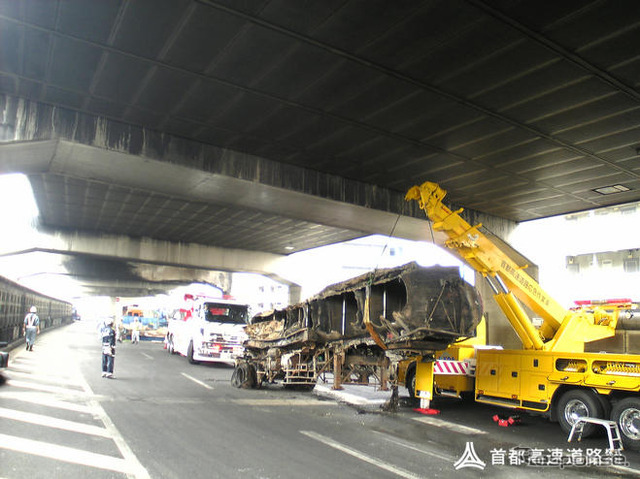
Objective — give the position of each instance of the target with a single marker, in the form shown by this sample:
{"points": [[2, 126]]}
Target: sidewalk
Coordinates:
{"points": [[367, 397]]}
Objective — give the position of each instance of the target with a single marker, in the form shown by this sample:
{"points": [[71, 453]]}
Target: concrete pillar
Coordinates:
{"points": [[294, 293]]}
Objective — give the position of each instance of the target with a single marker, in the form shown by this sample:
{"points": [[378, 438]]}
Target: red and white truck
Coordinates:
{"points": [[208, 329]]}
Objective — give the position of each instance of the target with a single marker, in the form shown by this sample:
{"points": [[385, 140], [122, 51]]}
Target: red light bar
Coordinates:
{"points": [[588, 302]]}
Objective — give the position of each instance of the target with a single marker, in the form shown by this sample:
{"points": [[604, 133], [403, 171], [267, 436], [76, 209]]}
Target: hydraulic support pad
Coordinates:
{"points": [[424, 383]]}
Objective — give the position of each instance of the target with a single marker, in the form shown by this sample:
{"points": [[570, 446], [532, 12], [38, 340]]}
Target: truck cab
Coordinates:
{"points": [[212, 330]]}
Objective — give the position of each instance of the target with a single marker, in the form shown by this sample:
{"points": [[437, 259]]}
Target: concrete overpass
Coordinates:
{"points": [[271, 127]]}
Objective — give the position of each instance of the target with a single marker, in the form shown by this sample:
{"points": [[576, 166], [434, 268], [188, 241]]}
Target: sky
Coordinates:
{"points": [[18, 216]]}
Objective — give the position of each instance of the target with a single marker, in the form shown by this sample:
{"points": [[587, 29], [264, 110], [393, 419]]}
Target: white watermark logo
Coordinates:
{"points": [[557, 457], [537, 457], [469, 458]]}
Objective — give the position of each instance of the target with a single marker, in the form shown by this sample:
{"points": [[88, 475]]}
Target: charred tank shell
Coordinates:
{"points": [[409, 307]]}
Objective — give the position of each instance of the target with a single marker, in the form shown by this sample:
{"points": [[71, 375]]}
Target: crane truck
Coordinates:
{"points": [[552, 374]]}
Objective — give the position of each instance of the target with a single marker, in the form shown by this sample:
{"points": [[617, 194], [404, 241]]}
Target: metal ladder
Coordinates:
{"points": [[613, 433]]}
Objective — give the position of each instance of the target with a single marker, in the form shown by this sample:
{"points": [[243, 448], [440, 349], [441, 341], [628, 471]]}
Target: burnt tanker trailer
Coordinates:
{"points": [[358, 329]]}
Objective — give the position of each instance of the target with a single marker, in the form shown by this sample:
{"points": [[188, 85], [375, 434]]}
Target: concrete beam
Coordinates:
{"points": [[152, 266], [31, 121], [178, 180], [152, 251]]}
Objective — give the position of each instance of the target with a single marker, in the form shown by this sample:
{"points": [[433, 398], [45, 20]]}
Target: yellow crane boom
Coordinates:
{"points": [[562, 329]]}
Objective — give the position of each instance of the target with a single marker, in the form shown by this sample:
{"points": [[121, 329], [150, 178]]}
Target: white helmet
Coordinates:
{"points": [[33, 309]]}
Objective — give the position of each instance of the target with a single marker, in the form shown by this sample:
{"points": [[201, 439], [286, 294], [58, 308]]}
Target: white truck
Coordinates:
{"points": [[210, 330]]}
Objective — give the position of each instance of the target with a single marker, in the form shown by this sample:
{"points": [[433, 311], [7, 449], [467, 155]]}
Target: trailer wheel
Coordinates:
{"points": [[190, 354], [577, 403], [244, 376], [626, 413]]}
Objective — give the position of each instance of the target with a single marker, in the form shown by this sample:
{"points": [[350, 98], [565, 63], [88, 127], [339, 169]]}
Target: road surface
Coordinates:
{"points": [[161, 417]]}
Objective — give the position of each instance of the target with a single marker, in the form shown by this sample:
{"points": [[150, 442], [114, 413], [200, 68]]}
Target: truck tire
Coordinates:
{"points": [[244, 375], [576, 403], [190, 354], [626, 413]]}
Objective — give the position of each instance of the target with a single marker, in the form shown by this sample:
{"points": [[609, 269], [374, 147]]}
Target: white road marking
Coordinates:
{"points": [[66, 454], [128, 462], [197, 381], [43, 377], [422, 450], [45, 399], [39, 368], [361, 455], [139, 472], [43, 387], [449, 425], [53, 422], [148, 356]]}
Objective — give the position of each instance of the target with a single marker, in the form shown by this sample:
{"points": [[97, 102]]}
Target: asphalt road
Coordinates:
{"points": [[161, 417]]}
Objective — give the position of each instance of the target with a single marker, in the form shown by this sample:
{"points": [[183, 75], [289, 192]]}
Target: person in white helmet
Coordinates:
{"points": [[31, 327], [108, 348]]}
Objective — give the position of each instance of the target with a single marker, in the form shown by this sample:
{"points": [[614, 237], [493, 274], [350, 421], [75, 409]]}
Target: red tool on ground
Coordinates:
{"points": [[428, 412], [506, 421]]}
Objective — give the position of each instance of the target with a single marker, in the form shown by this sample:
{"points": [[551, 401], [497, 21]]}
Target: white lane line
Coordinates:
{"points": [[449, 425], [148, 356], [361, 455], [45, 399], [283, 402], [40, 369], [53, 422], [128, 463], [66, 454], [43, 377], [422, 450], [135, 468], [197, 381]]}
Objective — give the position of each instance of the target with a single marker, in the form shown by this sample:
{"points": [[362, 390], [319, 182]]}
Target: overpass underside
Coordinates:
{"points": [[111, 191], [107, 191]]}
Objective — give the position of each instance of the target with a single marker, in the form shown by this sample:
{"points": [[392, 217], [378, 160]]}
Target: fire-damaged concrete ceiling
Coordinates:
{"points": [[520, 109]]}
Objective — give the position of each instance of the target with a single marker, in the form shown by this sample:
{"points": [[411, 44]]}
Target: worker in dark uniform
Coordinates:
{"points": [[108, 348], [31, 327]]}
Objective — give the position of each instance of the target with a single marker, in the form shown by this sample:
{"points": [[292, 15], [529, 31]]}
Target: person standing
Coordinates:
{"points": [[108, 349], [119, 329], [31, 327], [135, 331]]}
